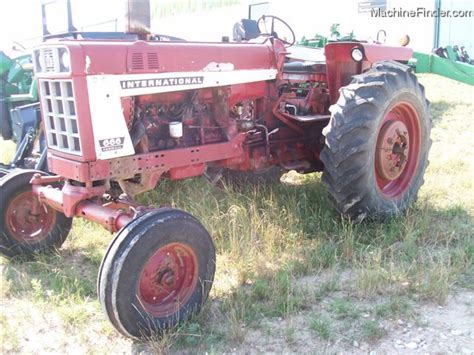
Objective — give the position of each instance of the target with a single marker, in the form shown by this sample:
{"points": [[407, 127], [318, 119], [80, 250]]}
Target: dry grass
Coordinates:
{"points": [[268, 239]]}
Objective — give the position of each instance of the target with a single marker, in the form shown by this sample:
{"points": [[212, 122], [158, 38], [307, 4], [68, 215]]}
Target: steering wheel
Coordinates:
{"points": [[262, 21]]}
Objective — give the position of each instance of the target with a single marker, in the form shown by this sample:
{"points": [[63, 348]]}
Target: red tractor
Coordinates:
{"points": [[120, 115]]}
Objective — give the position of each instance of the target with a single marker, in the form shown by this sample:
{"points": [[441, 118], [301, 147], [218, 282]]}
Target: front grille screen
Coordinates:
{"points": [[60, 116]]}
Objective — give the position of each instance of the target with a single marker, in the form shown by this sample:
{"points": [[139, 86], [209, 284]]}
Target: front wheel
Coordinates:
{"points": [[157, 272], [26, 227], [377, 143]]}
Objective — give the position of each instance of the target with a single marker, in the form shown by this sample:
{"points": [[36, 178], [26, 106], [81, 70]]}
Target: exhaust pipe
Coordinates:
{"points": [[138, 17]]}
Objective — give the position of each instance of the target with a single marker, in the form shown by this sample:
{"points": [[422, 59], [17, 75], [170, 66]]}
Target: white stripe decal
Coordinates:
{"points": [[111, 136], [142, 84]]}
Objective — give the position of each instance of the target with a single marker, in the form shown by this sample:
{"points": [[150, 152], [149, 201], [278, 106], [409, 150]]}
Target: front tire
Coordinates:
{"points": [[157, 272], [25, 230], [377, 143]]}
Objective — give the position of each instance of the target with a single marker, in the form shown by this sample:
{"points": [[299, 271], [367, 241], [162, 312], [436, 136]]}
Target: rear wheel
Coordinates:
{"points": [[377, 143], [26, 227], [157, 272]]}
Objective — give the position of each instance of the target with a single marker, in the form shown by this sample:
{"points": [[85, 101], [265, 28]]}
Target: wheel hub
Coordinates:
{"points": [[392, 150], [168, 279], [26, 221], [165, 277]]}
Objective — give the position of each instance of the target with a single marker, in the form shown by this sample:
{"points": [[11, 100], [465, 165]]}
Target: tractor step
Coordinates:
{"points": [[309, 118]]}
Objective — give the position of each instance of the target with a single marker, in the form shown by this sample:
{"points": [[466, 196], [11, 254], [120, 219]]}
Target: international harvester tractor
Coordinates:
{"points": [[120, 115]]}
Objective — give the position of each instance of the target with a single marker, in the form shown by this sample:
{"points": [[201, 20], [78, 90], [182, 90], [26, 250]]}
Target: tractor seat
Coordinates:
{"points": [[304, 67]]}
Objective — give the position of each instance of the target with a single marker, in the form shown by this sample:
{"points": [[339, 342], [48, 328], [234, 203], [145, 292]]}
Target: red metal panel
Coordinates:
{"points": [[126, 167], [187, 171], [192, 56], [341, 67], [249, 91], [70, 169], [376, 52]]}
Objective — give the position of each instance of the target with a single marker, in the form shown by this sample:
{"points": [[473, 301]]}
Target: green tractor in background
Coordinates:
{"points": [[320, 41], [17, 78], [20, 112]]}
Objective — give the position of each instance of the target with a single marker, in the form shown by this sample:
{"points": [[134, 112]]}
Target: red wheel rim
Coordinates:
{"points": [[168, 279], [398, 150], [27, 221]]}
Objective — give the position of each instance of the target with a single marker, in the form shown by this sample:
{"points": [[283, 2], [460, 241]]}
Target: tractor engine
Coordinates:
{"points": [[175, 120], [186, 119]]}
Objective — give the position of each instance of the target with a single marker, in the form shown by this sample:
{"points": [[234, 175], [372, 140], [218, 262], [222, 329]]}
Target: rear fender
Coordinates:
{"points": [[341, 67]]}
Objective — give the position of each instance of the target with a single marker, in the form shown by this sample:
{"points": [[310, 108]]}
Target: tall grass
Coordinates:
{"points": [[269, 238]]}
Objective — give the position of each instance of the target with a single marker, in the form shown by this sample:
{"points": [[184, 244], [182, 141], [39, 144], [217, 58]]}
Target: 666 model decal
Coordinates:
{"points": [[111, 144]]}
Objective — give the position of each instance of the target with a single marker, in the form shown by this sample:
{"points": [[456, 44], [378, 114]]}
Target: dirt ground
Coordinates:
{"points": [[445, 329], [432, 329]]}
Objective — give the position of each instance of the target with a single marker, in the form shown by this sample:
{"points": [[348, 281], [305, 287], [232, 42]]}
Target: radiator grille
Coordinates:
{"points": [[60, 117]]}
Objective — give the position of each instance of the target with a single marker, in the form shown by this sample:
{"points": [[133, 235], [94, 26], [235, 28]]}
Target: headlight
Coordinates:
{"points": [[357, 54], [64, 60]]}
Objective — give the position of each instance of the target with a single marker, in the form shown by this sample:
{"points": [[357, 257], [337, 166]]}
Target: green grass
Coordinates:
{"points": [[345, 308], [395, 307], [268, 240], [372, 330], [321, 326]]}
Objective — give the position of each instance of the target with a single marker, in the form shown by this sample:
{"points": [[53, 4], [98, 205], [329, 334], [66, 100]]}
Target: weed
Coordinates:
{"points": [[395, 307], [372, 331], [437, 277], [327, 287], [321, 326], [344, 308], [372, 277], [159, 343]]}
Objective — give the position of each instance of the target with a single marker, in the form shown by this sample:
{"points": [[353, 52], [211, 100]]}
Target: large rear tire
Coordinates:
{"points": [[24, 229], [377, 143], [157, 272]]}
